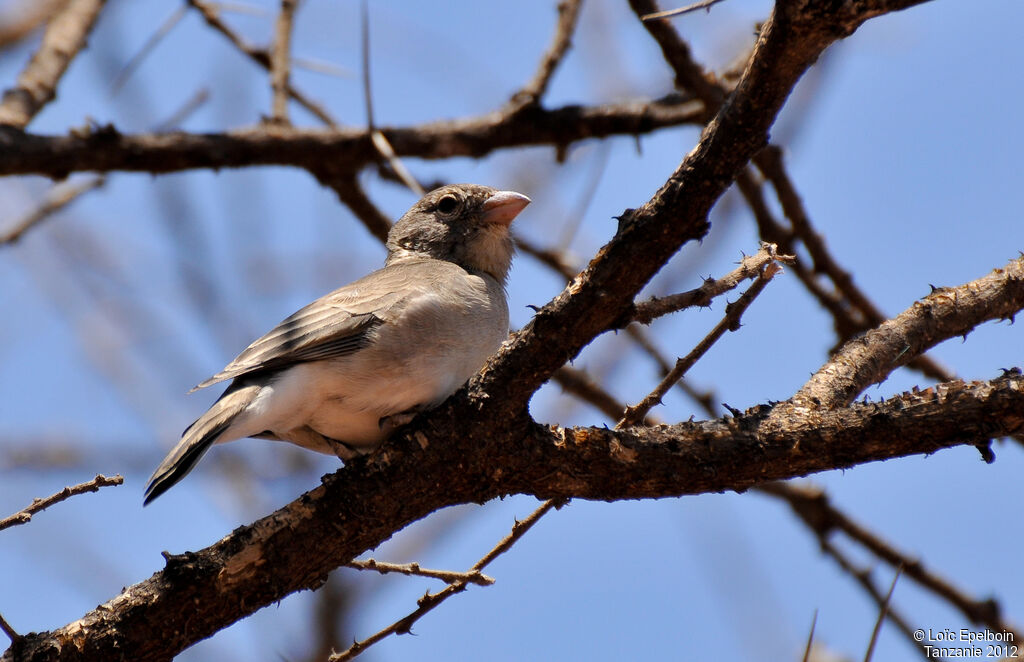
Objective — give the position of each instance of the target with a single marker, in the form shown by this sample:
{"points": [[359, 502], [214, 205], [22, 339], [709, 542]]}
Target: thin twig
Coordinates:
{"points": [[668, 13], [191, 105], [450, 576], [380, 142], [751, 266], [568, 13], [65, 36], [814, 508], [578, 383], [730, 322], [883, 609], [260, 56], [810, 637], [154, 39], [280, 61], [431, 600], [58, 197], [25, 515], [704, 398], [863, 578]]}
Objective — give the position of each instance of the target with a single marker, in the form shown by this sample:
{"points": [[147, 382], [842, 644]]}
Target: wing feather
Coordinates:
{"points": [[334, 325]]}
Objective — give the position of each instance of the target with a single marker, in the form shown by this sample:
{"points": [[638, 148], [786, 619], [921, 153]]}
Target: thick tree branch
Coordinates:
{"points": [[104, 149], [365, 503]]}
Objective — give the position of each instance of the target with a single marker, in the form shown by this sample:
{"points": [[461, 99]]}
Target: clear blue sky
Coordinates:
{"points": [[904, 142]]}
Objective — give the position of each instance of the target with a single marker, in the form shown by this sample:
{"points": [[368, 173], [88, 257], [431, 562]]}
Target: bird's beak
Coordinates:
{"points": [[502, 207]]}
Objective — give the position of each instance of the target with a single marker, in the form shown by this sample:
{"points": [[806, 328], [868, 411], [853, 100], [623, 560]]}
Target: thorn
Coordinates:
{"points": [[986, 452]]}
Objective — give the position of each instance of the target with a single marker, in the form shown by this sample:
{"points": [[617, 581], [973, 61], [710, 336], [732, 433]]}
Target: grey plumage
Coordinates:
{"points": [[398, 340]]}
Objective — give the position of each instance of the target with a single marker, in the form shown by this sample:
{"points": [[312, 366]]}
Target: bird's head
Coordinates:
{"points": [[465, 224]]}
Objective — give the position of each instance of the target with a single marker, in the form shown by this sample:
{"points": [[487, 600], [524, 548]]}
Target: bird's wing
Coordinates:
{"points": [[334, 325]]}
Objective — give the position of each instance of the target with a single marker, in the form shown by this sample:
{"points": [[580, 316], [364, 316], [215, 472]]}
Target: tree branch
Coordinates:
{"points": [[64, 37], [366, 502], [943, 314], [24, 515], [104, 149], [280, 61], [568, 13]]}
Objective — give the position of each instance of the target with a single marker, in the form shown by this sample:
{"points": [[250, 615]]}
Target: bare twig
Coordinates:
{"points": [[751, 266], [379, 140], [578, 383], [810, 637], [58, 197], [260, 56], [25, 515], [431, 600], [668, 13], [450, 576], [65, 36], [568, 14], [191, 105], [280, 65], [863, 578], [354, 197], [154, 39], [730, 322], [883, 609], [815, 510]]}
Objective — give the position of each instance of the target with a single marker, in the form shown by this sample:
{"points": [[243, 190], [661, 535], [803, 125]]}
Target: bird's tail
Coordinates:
{"points": [[198, 438]]}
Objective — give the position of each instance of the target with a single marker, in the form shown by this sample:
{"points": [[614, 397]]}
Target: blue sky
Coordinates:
{"points": [[904, 142]]}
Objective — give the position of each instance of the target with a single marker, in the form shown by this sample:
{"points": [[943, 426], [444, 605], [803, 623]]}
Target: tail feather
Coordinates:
{"points": [[197, 439]]}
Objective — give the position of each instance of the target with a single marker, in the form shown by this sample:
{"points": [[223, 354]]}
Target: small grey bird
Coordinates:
{"points": [[339, 374]]}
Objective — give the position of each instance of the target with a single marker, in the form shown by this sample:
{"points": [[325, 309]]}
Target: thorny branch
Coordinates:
{"points": [[730, 322], [751, 266], [475, 577], [852, 316]]}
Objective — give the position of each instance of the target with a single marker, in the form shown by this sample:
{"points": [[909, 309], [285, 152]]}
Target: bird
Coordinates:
{"points": [[341, 373]]}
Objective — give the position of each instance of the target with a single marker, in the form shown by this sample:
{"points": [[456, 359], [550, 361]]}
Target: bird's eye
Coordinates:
{"points": [[447, 204]]}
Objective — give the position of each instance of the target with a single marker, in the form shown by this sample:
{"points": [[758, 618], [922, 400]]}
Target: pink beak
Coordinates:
{"points": [[502, 207]]}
